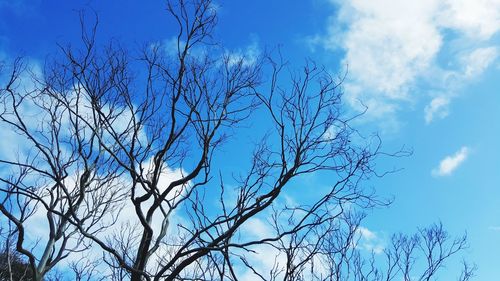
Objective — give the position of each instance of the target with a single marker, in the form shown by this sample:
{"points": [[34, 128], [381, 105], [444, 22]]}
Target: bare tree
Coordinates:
{"points": [[12, 265], [59, 171], [131, 141], [336, 252]]}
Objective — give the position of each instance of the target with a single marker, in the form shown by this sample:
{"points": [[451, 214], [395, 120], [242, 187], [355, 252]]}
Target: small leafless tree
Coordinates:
{"points": [[122, 150], [337, 252]]}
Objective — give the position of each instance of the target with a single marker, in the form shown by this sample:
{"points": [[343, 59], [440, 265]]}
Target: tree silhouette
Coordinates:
{"points": [[124, 150]]}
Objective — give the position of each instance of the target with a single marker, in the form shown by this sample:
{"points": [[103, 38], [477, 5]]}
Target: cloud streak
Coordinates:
{"points": [[450, 163]]}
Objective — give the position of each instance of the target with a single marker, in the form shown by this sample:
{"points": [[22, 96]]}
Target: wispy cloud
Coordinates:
{"points": [[450, 163], [437, 107], [478, 60], [366, 234], [494, 228], [20, 7], [392, 46], [246, 56], [472, 65], [368, 240]]}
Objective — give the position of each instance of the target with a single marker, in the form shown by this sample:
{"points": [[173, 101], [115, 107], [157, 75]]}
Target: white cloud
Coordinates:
{"points": [[366, 234], [118, 221], [391, 46], [257, 228], [369, 241], [476, 18], [450, 163], [478, 60], [473, 64], [262, 257], [247, 56], [14, 145], [438, 107]]}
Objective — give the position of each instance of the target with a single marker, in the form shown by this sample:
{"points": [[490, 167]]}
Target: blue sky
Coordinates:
{"points": [[427, 70]]}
